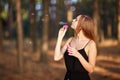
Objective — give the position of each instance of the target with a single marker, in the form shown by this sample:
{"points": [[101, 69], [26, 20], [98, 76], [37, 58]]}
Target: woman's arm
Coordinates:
{"points": [[92, 52], [60, 51], [61, 34], [58, 55]]}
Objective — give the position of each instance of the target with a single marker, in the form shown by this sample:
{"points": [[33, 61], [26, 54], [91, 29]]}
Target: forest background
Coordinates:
{"points": [[28, 33]]}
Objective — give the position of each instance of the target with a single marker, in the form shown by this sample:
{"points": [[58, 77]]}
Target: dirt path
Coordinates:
{"points": [[107, 66]]}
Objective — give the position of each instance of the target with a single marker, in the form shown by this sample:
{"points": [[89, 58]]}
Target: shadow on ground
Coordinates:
{"points": [[107, 66]]}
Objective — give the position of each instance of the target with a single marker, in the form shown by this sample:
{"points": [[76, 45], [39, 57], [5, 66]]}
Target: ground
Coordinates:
{"points": [[107, 65]]}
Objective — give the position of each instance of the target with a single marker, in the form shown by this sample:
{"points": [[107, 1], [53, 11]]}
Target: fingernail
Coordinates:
{"points": [[68, 46], [65, 26]]}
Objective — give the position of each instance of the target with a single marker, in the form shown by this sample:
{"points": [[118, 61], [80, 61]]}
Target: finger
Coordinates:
{"points": [[69, 51], [65, 26], [62, 28], [70, 48], [70, 54]]}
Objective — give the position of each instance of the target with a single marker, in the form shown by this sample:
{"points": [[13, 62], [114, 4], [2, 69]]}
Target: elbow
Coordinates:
{"points": [[91, 70], [56, 59]]}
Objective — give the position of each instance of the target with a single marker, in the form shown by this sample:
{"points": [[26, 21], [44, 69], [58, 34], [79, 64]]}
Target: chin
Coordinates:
{"points": [[72, 27]]}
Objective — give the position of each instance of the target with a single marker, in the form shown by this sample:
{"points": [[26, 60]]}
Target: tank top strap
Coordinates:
{"points": [[86, 43]]}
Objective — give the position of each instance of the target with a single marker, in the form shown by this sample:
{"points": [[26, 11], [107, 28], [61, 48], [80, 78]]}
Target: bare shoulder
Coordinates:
{"points": [[92, 43]]}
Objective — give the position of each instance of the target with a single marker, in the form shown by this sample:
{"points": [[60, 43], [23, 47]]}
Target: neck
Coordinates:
{"points": [[81, 36]]}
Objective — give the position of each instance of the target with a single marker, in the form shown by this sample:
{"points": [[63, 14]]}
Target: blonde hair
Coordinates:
{"points": [[86, 24]]}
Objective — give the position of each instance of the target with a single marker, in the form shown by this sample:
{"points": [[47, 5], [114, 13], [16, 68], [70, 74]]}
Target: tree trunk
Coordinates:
{"points": [[33, 25], [45, 31], [96, 19], [118, 18], [69, 12], [58, 6], [59, 11], [1, 37], [20, 36], [10, 17], [57, 20]]}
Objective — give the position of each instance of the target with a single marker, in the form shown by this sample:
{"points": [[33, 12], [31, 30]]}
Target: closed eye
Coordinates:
{"points": [[74, 19]]}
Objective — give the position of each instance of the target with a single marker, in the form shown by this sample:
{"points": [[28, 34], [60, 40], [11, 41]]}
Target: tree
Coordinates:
{"points": [[58, 6], [33, 24], [44, 41], [96, 19], [10, 16], [20, 36], [1, 38], [69, 12], [118, 17]]}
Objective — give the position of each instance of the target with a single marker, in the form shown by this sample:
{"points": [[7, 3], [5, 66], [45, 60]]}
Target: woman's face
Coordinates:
{"points": [[75, 22]]}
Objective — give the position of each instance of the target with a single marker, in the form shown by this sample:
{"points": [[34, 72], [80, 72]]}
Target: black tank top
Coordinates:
{"points": [[73, 64]]}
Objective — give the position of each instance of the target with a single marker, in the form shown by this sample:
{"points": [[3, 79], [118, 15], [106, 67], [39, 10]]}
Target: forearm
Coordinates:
{"points": [[57, 54], [89, 67]]}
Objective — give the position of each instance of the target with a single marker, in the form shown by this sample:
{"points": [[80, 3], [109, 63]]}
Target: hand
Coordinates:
{"points": [[62, 32], [73, 52]]}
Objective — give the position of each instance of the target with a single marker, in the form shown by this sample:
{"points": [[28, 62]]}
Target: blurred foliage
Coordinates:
{"points": [[106, 8], [3, 15], [25, 14]]}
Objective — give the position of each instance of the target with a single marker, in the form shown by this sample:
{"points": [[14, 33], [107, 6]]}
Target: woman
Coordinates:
{"points": [[79, 51]]}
